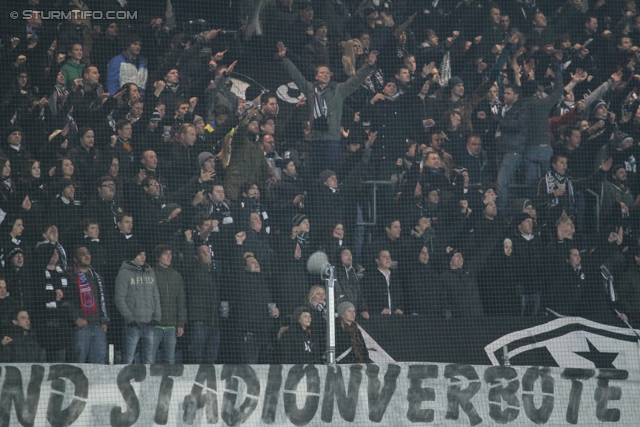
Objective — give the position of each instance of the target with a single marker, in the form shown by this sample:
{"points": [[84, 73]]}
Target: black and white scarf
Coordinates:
{"points": [[555, 181], [320, 109], [445, 69], [321, 307], [173, 87], [374, 81], [8, 185], [61, 91]]}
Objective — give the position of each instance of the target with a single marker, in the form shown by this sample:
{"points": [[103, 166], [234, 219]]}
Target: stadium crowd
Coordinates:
{"points": [[454, 159]]}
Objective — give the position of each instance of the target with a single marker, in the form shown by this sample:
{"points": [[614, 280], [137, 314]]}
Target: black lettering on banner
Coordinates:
{"points": [[55, 414], [604, 394], [457, 398], [418, 394], [379, 398], [495, 376], [197, 399], [271, 394], [302, 416], [576, 376], [12, 392], [538, 415], [166, 387], [230, 413], [128, 418], [334, 387]]}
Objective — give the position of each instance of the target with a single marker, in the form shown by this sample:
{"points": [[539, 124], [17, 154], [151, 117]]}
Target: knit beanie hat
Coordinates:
{"points": [[298, 219], [621, 138], [521, 204], [520, 218], [599, 103], [15, 251], [343, 307], [455, 81], [204, 156], [325, 174]]}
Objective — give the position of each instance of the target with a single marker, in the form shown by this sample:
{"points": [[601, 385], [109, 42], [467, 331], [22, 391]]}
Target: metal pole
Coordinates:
{"points": [[331, 321]]}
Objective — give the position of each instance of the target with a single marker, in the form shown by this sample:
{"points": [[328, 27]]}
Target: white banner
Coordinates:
{"points": [[286, 395]]}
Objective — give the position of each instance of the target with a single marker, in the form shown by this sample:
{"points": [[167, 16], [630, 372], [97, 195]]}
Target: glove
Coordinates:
{"points": [[133, 324], [154, 323]]}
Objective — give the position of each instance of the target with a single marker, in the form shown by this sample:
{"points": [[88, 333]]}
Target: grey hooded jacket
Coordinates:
{"points": [[137, 297]]}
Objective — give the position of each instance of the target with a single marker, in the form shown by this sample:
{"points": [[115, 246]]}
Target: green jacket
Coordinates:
{"points": [[172, 297], [247, 163], [71, 71], [334, 95], [137, 297]]}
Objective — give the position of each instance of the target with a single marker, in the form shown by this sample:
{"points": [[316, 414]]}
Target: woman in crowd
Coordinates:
{"points": [[317, 305], [335, 240], [298, 342], [11, 238], [34, 187], [7, 185], [350, 345]]}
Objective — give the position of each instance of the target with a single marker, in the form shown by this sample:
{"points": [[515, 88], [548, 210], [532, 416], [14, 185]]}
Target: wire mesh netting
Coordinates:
{"points": [[300, 212]]}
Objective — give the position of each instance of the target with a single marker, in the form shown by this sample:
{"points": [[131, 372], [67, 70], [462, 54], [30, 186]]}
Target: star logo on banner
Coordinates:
{"points": [[601, 360]]}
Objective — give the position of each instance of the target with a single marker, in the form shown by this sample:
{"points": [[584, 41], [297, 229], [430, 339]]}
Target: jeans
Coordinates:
{"points": [[326, 154], [166, 337], [205, 342], [91, 345], [133, 334], [530, 305], [252, 346], [536, 155], [358, 236], [506, 173]]}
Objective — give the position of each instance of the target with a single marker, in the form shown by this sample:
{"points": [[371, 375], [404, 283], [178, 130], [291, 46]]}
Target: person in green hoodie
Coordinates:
{"points": [[72, 68], [138, 301], [172, 301]]}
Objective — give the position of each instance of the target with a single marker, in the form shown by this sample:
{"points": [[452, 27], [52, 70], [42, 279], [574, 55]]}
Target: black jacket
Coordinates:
{"points": [[203, 292], [424, 292], [300, 346], [462, 293], [345, 340], [23, 349], [347, 288], [376, 292], [249, 307]]}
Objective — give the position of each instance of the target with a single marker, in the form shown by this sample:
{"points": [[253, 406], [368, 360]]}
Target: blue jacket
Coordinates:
{"points": [[122, 69]]}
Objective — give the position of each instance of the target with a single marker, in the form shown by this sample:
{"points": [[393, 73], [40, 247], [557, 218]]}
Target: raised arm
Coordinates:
{"points": [[293, 71]]}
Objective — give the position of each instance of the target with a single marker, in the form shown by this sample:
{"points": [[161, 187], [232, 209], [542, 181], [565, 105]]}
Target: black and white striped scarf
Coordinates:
{"points": [[554, 181], [320, 109], [61, 90]]}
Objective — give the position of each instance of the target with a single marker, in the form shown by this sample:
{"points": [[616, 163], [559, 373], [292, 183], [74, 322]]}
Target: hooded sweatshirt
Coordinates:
{"points": [[137, 297]]}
